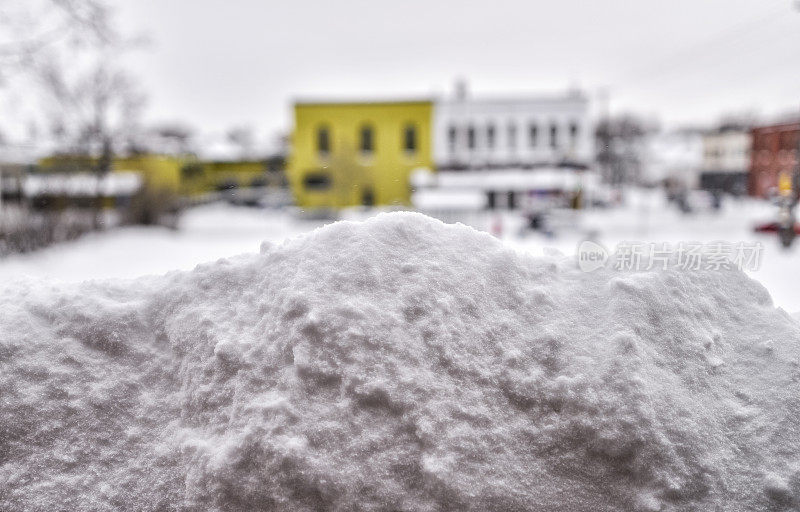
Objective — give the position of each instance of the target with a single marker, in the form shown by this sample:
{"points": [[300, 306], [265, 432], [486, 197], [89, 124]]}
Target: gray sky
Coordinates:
{"points": [[215, 63]]}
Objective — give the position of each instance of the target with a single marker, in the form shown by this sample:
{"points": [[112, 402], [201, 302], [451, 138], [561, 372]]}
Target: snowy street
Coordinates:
{"points": [[215, 231]]}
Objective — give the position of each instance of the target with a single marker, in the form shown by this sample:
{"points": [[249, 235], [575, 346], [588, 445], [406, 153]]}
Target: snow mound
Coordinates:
{"points": [[399, 364]]}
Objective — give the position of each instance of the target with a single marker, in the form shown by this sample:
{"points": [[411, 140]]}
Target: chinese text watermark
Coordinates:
{"points": [[687, 256]]}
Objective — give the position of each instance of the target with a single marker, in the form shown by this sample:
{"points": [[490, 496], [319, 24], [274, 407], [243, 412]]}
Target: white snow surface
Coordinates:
{"points": [[122, 183], [399, 364]]}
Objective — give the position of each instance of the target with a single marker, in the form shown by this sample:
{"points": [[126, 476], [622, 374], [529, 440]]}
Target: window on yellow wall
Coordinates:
{"points": [[316, 181], [410, 139], [323, 141], [366, 140]]}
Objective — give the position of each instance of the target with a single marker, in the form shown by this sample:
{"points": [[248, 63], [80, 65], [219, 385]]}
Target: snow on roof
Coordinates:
{"points": [[506, 179], [120, 183], [399, 363], [437, 199], [422, 177]]}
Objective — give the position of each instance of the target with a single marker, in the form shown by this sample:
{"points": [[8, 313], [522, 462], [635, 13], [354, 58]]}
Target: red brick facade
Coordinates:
{"points": [[774, 151]]}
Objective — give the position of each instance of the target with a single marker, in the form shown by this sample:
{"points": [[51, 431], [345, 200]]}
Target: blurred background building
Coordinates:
{"points": [[726, 158], [774, 157], [352, 153], [482, 133]]}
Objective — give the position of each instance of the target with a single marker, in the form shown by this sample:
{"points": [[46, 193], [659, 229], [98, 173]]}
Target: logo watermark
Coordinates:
{"points": [[688, 256], [591, 256]]}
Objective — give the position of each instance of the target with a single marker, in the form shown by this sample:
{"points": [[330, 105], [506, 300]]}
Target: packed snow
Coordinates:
{"points": [[399, 364]]}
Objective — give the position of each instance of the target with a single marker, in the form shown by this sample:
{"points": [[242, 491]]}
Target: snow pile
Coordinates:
{"points": [[399, 364]]}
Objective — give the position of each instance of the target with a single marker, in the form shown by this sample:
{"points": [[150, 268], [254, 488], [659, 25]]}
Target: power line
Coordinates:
{"points": [[689, 55]]}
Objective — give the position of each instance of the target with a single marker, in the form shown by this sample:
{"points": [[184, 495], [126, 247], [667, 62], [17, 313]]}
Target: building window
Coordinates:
{"points": [[452, 138], [366, 140], [491, 200], [471, 137], [573, 133], [410, 139], [553, 136], [533, 135], [315, 181], [368, 197], [512, 136], [511, 200], [323, 141], [490, 136]]}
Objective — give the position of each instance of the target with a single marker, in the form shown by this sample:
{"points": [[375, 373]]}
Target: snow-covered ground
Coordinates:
{"points": [[395, 364], [204, 234], [216, 231]]}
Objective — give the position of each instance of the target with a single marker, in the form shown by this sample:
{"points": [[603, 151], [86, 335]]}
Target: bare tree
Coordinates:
{"points": [[619, 146], [171, 138], [70, 52], [31, 32], [244, 138], [66, 57], [93, 111], [743, 120], [32, 27]]}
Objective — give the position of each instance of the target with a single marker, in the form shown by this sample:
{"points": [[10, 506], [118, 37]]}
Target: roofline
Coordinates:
{"points": [[306, 102], [792, 125], [510, 99], [543, 98]]}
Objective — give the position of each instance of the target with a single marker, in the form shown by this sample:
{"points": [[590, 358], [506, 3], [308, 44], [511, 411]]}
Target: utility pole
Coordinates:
{"points": [[604, 127], [786, 217], [796, 177], [2, 213], [796, 173]]}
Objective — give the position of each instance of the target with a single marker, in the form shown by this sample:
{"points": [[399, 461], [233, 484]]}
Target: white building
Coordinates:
{"points": [[726, 159], [474, 133], [505, 189]]}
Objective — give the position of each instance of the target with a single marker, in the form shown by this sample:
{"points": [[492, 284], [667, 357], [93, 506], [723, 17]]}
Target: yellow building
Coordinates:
{"points": [[158, 172], [172, 174], [241, 173], [358, 153]]}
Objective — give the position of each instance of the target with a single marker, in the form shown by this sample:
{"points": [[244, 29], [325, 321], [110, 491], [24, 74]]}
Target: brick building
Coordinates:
{"points": [[774, 153]]}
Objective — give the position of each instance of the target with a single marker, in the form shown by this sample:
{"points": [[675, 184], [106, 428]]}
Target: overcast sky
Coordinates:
{"points": [[218, 63]]}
